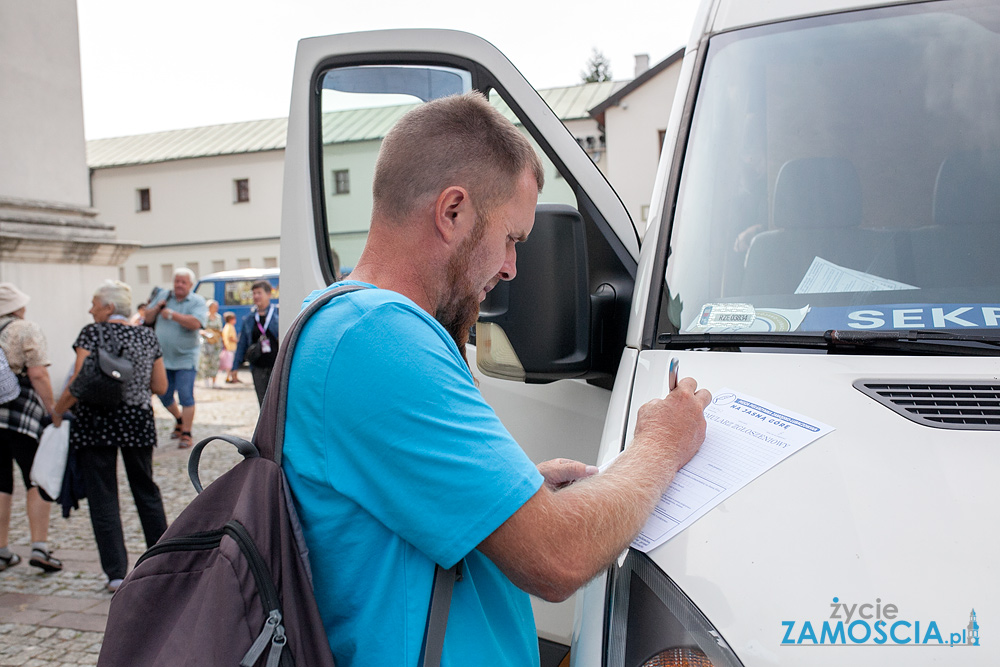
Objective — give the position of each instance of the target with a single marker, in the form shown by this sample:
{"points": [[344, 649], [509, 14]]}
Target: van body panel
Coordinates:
{"points": [[881, 508], [733, 14], [647, 278]]}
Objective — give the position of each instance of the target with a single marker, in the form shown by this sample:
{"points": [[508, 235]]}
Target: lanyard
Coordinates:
{"points": [[267, 320]]}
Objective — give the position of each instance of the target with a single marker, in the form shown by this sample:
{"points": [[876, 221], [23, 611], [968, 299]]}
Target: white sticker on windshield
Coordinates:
{"points": [[730, 315], [823, 277], [743, 317]]}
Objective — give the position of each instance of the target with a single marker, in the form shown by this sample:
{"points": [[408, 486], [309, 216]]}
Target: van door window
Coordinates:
{"points": [[206, 290], [359, 104]]}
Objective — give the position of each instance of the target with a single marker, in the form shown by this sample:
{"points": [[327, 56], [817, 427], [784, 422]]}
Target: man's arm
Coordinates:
{"points": [[562, 537], [189, 322], [152, 312]]}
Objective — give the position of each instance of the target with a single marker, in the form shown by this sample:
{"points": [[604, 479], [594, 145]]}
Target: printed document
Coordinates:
{"points": [[745, 437], [823, 276]]}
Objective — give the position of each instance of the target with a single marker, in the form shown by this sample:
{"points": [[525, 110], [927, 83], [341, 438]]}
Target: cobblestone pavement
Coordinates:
{"points": [[58, 619]]}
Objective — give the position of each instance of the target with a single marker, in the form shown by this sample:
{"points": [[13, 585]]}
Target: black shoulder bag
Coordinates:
{"points": [[102, 377]]}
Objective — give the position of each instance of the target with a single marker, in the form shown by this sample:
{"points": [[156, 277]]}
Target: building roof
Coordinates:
{"points": [[597, 111], [568, 103]]}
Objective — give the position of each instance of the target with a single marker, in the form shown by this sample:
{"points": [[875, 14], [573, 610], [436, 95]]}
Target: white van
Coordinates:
{"points": [[824, 237]]}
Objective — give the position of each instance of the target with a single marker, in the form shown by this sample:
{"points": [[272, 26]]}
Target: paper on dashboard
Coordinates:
{"points": [[745, 437], [823, 277]]}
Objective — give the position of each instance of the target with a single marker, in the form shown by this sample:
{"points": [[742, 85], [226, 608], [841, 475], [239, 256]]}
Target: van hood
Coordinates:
{"points": [[882, 511]]}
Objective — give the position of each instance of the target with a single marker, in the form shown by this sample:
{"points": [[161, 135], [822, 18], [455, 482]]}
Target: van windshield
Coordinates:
{"points": [[843, 172]]}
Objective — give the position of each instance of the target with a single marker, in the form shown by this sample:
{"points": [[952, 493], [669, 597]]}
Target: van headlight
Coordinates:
{"points": [[652, 623]]}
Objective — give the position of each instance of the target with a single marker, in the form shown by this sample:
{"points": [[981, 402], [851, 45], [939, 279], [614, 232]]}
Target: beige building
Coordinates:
{"points": [[634, 119], [53, 245]]}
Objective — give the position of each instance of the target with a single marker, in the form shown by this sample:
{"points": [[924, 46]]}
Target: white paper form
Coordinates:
{"points": [[745, 437], [823, 277]]}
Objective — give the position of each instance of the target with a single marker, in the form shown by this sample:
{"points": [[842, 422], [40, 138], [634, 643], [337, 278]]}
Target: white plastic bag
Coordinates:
{"points": [[50, 460]]}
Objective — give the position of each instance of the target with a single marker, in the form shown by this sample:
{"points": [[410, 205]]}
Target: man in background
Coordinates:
{"points": [[178, 318], [258, 342]]}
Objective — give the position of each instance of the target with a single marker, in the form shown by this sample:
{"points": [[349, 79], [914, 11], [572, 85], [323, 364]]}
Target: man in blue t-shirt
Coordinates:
{"points": [[394, 460]]}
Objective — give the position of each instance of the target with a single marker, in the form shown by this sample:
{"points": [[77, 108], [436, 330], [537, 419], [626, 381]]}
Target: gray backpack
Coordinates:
{"points": [[229, 582]]}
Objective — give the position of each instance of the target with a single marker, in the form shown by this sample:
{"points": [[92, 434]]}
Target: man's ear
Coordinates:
{"points": [[453, 214]]}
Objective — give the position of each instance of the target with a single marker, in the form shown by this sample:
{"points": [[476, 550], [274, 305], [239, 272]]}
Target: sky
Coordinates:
{"points": [[148, 66]]}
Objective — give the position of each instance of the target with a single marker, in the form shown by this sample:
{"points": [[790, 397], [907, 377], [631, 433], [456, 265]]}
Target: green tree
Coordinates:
{"points": [[598, 68]]}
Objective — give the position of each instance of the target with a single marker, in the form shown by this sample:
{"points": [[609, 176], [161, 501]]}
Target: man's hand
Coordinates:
{"points": [[559, 473], [676, 422]]}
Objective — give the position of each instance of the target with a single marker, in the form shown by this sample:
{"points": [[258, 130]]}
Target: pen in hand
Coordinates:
{"points": [[672, 374]]}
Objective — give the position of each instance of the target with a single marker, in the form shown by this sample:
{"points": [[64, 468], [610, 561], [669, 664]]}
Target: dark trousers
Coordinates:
{"points": [[100, 472], [261, 376]]}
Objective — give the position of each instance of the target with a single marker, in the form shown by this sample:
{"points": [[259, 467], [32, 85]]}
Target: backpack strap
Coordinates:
{"points": [[437, 615], [269, 436], [242, 446]]}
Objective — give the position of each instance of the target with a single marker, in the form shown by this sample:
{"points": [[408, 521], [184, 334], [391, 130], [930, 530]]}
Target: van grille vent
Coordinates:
{"points": [[955, 406]]}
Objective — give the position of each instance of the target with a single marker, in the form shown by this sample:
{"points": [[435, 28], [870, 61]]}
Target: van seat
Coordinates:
{"points": [[962, 246], [817, 213]]}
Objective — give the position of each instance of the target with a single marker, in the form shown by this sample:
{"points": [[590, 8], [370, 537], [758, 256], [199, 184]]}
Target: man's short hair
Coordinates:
{"points": [[184, 271], [262, 284], [458, 140]]}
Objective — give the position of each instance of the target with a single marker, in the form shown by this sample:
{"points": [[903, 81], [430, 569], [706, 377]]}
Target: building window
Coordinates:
{"points": [[167, 273], [194, 268], [243, 263], [143, 274], [242, 190], [270, 262], [218, 265], [121, 273], [142, 199], [341, 182]]}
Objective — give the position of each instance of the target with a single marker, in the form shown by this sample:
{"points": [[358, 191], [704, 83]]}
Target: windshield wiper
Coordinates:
{"points": [[680, 341], [933, 342], [915, 340]]}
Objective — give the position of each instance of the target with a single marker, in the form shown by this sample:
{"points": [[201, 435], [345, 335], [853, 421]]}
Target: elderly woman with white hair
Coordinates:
{"points": [[98, 432]]}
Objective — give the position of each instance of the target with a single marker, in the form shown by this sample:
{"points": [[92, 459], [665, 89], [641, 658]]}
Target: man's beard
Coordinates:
{"points": [[460, 309]]}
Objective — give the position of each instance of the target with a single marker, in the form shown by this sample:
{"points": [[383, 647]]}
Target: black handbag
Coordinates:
{"points": [[102, 377], [253, 353]]}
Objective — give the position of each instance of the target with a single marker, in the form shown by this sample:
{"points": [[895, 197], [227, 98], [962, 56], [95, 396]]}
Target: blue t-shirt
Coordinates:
{"points": [[181, 347], [396, 462]]}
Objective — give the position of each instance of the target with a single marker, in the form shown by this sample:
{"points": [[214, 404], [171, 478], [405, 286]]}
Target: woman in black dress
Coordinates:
{"points": [[98, 433]]}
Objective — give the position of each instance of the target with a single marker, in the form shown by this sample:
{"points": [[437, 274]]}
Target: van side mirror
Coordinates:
{"points": [[540, 326]]}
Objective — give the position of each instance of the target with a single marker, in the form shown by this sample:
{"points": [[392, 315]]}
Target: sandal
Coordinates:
{"points": [[45, 560], [185, 440], [9, 562], [177, 432]]}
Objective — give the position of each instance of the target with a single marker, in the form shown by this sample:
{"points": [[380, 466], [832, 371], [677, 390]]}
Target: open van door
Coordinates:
{"points": [[347, 92]]}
